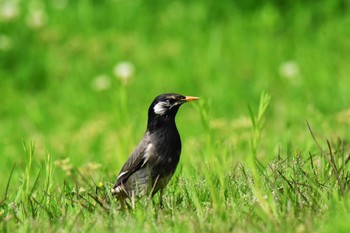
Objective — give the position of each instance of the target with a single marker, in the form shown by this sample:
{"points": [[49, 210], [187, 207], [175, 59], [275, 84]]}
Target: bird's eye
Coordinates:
{"points": [[171, 101]]}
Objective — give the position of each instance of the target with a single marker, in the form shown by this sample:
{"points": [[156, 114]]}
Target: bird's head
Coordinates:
{"points": [[165, 106]]}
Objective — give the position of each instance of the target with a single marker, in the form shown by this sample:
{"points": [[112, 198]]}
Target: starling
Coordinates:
{"points": [[154, 161]]}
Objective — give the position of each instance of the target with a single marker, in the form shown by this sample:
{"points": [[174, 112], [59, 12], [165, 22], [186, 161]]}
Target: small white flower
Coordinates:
{"points": [[101, 83], [9, 10], [36, 18], [5, 43], [289, 70], [124, 71]]}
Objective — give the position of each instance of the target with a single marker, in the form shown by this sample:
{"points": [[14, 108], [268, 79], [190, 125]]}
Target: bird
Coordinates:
{"points": [[153, 162]]}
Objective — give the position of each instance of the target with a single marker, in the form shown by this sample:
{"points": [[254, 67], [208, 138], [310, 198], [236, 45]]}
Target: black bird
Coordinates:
{"points": [[154, 161]]}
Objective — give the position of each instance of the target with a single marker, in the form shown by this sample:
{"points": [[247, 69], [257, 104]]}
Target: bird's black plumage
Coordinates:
{"points": [[154, 161]]}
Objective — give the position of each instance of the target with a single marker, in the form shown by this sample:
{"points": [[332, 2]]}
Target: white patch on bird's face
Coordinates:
{"points": [[147, 154], [161, 107]]}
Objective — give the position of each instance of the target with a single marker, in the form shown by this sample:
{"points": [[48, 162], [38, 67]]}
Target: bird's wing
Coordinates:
{"points": [[138, 159]]}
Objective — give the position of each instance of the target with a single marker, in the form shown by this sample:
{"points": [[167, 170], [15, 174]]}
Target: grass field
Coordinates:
{"points": [[264, 150]]}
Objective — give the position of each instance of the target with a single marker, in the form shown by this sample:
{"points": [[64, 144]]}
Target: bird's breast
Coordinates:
{"points": [[167, 147]]}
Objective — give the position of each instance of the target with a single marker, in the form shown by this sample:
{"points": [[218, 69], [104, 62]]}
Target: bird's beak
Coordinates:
{"points": [[191, 98]]}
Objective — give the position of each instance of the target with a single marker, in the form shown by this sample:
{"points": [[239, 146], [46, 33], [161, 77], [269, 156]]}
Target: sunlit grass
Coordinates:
{"points": [[220, 196], [77, 79]]}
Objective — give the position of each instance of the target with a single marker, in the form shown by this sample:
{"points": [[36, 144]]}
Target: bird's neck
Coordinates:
{"points": [[161, 124], [166, 136]]}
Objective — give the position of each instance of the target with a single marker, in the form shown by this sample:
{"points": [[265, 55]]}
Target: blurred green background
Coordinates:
{"points": [[77, 77]]}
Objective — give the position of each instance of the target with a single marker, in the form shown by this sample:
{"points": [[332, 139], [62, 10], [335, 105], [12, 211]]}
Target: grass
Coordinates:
{"points": [[287, 194], [68, 122]]}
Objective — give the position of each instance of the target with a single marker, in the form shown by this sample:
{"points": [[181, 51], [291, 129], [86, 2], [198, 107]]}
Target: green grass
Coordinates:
{"points": [[251, 162]]}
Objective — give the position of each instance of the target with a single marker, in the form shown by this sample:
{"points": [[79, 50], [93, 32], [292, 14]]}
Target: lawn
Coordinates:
{"points": [[264, 150]]}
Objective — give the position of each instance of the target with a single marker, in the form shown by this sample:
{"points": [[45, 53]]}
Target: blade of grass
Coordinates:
{"points": [[267, 204], [8, 184]]}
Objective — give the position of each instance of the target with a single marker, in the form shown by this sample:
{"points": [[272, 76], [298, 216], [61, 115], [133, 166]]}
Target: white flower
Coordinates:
{"points": [[289, 70], [36, 18], [124, 71], [9, 10], [101, 82]]}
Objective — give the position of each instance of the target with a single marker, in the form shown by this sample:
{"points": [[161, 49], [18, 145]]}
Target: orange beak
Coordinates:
{"points": [[191, 98]]}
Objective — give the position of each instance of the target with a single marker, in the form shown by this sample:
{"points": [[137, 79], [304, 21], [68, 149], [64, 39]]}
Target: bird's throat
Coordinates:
{"points": [[161, 124]]}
